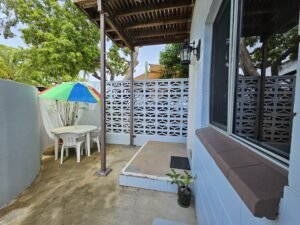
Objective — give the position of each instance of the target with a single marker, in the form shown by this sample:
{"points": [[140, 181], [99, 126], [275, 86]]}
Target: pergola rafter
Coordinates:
{"points": [[155, 23], [151, 8], [132, 23]]}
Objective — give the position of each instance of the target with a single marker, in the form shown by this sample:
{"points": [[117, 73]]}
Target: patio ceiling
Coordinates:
{"points": [[133, 23]]}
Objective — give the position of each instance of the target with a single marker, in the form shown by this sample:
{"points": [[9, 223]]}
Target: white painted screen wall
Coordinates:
{"points": [[160, 111], [217, 203]]}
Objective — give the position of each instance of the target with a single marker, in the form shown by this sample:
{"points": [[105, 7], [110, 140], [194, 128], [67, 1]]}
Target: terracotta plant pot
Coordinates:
{"points": [[184, 196]]}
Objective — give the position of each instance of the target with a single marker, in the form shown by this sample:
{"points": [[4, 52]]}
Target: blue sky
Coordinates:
{"points": [[13, 42], [147, 53]]}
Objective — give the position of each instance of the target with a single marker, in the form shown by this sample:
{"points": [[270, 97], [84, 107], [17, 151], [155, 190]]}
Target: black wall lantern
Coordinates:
{"points": [[186, 51]]}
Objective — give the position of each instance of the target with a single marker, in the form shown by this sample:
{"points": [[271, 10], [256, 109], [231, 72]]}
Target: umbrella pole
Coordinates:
{"points": [[103, 170]]}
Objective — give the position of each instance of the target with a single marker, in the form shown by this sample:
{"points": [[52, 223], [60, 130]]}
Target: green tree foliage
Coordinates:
{"points": [[170, 59], [12, 66], [281, 48], [117, 61], [7, 18], [61, 41], [8, 62]]}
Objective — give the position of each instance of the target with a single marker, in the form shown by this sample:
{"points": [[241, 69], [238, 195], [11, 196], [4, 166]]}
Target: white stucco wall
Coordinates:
{"points": [[199, 74], [217, 203], [19, 139]]}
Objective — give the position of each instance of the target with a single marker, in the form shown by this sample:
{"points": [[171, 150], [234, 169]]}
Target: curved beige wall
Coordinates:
{"points": [[20, 155]]}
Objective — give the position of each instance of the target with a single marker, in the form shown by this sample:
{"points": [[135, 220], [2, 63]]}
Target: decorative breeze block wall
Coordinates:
{"points": [[160, 109], [279, 94]]}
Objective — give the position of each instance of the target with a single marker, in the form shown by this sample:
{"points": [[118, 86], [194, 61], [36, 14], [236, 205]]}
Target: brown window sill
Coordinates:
{"points": [[258, 181]]}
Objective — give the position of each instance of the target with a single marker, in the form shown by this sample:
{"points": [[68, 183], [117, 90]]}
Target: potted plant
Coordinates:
{"points": [[182, 181]]}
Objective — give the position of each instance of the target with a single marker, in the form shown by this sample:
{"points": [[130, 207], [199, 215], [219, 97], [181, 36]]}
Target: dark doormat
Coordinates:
{"points": [[180, 163]]}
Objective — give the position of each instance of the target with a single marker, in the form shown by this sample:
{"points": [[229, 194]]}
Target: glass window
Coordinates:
{"points": [[266, 75]]}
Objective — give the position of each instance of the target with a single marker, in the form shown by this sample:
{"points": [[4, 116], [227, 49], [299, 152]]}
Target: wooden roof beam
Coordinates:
{"points": [[115, 26], [184, 28], [159, 41], [155, 7], [157, 34], [85, 3], [157, 23], [112, 23], [89, 5], [111, 28]]}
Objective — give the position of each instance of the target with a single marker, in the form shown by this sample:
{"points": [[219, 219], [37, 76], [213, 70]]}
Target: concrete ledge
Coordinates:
{"points": [[147, 183], [258, 182], [148, 167]]}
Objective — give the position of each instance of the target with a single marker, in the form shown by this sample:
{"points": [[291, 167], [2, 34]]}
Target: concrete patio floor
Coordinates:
{"points": [[160, 154], [73, 194]]}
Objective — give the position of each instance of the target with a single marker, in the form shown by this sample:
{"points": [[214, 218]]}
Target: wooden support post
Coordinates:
{"points": [[261, 108], [103, 170], [131, 99]]}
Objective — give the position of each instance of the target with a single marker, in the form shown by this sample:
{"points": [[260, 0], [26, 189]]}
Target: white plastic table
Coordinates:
{"points": [[78, 129]]}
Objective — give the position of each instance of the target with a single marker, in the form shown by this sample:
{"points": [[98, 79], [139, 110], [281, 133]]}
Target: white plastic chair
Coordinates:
{"points": [[71, 140], [95, 136]]}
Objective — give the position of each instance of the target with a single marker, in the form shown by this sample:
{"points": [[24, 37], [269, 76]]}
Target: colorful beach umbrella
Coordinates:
{"points": [[73, 92]]}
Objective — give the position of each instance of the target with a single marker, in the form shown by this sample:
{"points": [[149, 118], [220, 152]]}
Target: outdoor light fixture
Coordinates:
{"points": [[186, 51]]}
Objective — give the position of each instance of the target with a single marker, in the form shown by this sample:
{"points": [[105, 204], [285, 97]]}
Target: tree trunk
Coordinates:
{"points": [[111, 72], [135, 63], [245, 60], [274, 69], [112, 77]]}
